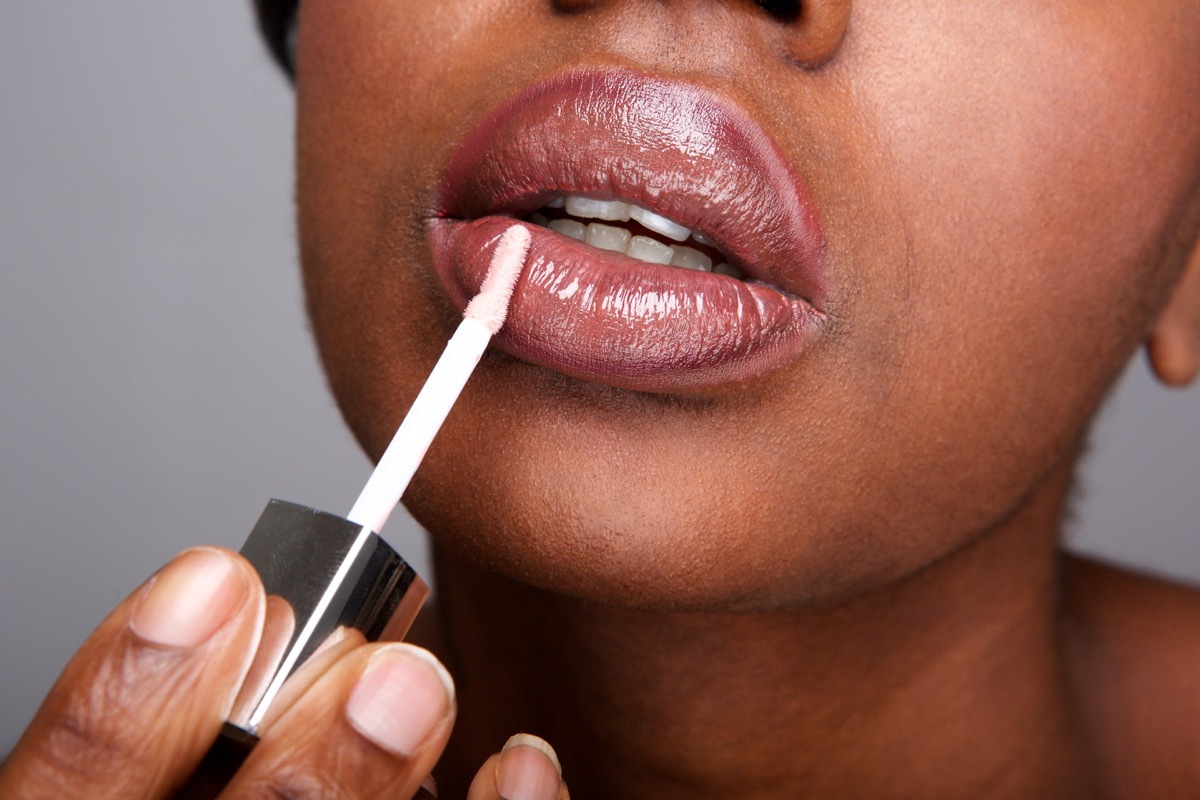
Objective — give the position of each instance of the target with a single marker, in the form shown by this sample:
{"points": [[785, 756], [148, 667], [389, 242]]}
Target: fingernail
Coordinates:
{"points": [[401, 698], [528, 769], [190, 599]]}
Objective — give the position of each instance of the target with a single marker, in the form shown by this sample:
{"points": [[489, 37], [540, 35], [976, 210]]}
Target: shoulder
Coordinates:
{"points": [[1145, 623], [1134, 654]]}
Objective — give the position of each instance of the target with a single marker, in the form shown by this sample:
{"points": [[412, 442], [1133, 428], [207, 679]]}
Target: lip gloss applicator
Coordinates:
{"points": [[324, 573]]}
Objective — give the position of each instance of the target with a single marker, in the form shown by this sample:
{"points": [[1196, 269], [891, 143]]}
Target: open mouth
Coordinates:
{"points": [[635, 231], [672, 246]]}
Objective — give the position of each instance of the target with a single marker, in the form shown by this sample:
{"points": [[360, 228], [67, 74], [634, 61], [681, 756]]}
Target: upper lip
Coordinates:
{"points": [[690, 154]]}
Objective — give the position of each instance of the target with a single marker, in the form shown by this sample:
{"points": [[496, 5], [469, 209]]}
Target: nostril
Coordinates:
{"points": [[568, 7], [814, 30], [785, 10]]}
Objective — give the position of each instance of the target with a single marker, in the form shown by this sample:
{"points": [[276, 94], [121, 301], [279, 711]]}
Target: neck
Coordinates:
{"points": [[950, 682]]}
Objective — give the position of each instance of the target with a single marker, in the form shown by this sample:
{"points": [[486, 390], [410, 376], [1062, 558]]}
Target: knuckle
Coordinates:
{"points": [[333, 776], [294, 784], [75, 752], [89, 735]]}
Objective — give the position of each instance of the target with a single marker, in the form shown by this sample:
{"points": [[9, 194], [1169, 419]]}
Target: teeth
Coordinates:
{"points": [[731, 271], [570, 227], [612, 210], [688, 258], [652, 250], [616, 211], [606, 237], [643, 248], [660, 224]]}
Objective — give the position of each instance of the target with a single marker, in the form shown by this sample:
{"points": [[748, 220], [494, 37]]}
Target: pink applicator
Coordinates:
{"points": [[324, 573], [482, 320]]}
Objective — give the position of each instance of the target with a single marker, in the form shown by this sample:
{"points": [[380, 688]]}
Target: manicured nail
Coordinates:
{"points": [[528, 770], [402, 697], [190, 599]]}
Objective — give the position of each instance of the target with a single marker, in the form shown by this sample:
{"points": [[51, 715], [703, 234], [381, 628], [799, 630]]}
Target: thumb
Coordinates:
{"points": [[138, 705]]}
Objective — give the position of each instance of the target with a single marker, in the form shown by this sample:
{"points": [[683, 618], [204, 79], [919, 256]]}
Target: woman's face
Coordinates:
{"points": [[964, 215]]}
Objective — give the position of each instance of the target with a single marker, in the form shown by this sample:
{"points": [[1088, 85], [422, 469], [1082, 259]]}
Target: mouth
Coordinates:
{"points": [[672, 246]]}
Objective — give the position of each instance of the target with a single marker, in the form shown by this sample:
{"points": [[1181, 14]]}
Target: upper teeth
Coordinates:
{"points": [[615, 210], [609, 237]]}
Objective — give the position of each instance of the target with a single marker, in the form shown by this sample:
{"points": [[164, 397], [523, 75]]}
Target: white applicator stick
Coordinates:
{"points": [[328, 573], [482, 320]]}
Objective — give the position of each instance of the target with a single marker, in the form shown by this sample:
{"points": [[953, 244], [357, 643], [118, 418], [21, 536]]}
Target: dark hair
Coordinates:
{"points": [[276, 21]]}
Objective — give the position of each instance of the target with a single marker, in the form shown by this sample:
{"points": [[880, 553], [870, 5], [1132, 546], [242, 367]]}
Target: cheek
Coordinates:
{"points": [[1039, 170], [1031, 180], [384, 91], [368, 139], [1022, 198]]}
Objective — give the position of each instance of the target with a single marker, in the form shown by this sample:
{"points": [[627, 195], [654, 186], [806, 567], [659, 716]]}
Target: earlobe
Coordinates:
{"points": [[1174, 345]]}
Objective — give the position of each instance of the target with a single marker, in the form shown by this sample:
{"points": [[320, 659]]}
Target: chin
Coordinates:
{"points": [[676, 547]]}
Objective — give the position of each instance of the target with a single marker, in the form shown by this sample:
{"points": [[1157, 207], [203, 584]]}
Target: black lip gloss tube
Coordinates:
{"points": [[322, 573]]}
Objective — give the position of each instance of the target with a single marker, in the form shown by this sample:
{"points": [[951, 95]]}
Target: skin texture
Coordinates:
{"points": [[1009, 194], [971, 206]]}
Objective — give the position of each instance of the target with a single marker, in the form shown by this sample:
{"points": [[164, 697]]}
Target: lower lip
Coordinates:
{"points": [[605, 317]]}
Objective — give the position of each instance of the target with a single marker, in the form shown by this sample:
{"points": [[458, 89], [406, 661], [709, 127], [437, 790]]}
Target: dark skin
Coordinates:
{"points": [[924, 627], [963, 318], [840, 579]]}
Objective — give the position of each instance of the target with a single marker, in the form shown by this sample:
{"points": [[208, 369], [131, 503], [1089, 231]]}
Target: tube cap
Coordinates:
{"points": [[322, 573]]}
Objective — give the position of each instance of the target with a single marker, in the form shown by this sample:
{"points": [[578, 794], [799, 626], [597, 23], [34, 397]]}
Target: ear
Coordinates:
{"points": [[1174, 345]]}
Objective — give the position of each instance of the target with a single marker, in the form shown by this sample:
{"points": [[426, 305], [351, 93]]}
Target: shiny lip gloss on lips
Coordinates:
{"points": [[640, 187]]}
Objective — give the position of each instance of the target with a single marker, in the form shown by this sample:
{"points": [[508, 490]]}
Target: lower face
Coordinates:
{"points": [[983, 200]]}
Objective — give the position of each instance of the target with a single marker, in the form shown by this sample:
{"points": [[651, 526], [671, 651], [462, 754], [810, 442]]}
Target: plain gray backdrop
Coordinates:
{"points": [[158, 381]]}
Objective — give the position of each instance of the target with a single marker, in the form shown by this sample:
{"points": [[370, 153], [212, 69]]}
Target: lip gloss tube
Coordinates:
{"points": [[322, 573]]}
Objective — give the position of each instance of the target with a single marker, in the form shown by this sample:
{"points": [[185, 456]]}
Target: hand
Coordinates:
{"points": [[139, 704]]}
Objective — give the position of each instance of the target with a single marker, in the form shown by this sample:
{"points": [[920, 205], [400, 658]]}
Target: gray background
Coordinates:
{"points": [[157, 383]]}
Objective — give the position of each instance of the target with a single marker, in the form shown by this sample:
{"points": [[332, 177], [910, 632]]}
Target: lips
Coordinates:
{"points": [[682, 152]]}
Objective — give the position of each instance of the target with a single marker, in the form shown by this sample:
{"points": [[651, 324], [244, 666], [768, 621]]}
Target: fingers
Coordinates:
{"points": [[138, 705], [372, 725], [526, 769]]}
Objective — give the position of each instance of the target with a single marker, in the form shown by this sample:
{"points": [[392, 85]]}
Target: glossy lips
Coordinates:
{"points": [[684, 152]]}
